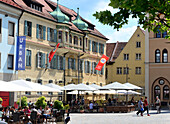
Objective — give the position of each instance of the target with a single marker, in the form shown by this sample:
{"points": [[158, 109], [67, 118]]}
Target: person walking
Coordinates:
{"points": [[146, 106], [140, 106], [158, 104]]}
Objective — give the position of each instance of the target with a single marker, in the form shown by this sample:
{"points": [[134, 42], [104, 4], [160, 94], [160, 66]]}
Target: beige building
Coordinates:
{"points": [[126, 63], [44, 23], [157, 67]]}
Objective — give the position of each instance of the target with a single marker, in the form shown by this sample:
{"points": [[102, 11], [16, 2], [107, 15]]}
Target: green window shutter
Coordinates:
{"points": [[100, 48], [90, 67], [27, 58], [58, 62], [48, 64], [55, 35], [37, 31], [48, 34], [30, 58], [55, 62], [31, 28], [103, 48], [68, 63], [37, 60], [25, 28], [89, 45], [44, 32], [74, 60], [43, 60], [93, 46], [97, 47]]}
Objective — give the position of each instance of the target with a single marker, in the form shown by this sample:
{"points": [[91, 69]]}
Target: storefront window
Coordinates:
{"points": [[166, 92], [157, 91]]}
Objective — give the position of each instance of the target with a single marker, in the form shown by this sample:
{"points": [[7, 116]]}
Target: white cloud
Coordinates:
{"points": [[123, 35]]}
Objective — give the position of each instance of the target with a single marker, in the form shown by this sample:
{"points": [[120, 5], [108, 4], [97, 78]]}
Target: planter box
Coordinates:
{"points": [[128, 108]]}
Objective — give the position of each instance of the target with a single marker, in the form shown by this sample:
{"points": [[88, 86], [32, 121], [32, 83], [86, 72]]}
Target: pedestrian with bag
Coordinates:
{"points": [[140, 107], [146, 106], [158, 104]]}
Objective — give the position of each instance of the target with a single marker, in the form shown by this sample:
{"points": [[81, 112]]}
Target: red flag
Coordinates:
{"points": [[102, 61], [53, 52]]}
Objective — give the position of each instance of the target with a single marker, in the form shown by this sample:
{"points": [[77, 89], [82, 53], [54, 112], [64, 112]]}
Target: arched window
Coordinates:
{"points": [[164, 56], [70, 39], [157, 91], [166, 92], [157, 56], [75, 40], [164, 34]]}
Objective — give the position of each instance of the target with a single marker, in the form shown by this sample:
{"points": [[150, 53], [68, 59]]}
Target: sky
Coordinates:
{"points": [[88, 7]]}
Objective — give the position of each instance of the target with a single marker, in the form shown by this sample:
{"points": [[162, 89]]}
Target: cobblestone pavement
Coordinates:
{"points": [[121, 118]]}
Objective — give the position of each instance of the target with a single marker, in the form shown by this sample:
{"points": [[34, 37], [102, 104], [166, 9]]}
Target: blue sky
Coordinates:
{"points": [[89, 7]]}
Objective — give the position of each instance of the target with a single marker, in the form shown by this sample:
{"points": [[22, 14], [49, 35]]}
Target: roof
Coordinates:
{"points": [[11, 3], [49, 6], [114, 49]]}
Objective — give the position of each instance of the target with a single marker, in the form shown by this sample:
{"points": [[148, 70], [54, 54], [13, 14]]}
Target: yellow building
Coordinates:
{"points": [[126, 63], [45, 23]]}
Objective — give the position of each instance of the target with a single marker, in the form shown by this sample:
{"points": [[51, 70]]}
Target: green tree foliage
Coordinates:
{"points": [[152, 14], [58, 105], [41, 102], [23, 101], [1, 99]]}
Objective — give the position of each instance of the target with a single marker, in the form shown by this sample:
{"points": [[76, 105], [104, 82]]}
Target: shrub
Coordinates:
{"points": [[66, 107], [23, 101], [41, 102], [1, 100], [58, 105]]}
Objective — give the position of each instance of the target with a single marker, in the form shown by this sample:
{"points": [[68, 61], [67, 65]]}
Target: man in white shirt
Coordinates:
{"points": [[91, 106]]}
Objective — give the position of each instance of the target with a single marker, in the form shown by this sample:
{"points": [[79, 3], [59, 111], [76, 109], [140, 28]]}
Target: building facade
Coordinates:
{"points": [[157, 67], [45, 24], [126, 63]]}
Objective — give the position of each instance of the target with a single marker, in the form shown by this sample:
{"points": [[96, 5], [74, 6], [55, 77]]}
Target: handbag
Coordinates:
{"points": [[142, 109]]}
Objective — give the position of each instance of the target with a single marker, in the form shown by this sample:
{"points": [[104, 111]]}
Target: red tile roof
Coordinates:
{"points": [[11, 3], [47, 8], [114, 49]]}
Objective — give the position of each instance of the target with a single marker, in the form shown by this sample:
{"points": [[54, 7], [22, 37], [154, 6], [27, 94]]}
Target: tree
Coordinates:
{"points": [[23, 101], [152, 14], [41, 102]]}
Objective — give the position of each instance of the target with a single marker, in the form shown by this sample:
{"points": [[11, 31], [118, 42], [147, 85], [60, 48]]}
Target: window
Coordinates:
{"points": [[119, 70], [138, 70], [71, 63], [87, 67], [27, 92], [0, 25], [81, 65], [39, 82], [51, 35], [50, 81], [138, 44], [101, 48], [40, 33], [126, 56], [94, 46], [126, 70], [10, 61], [80, 42], [11, 29], [157, 91], [166, 92], [86, 42], [158, 34], [40, 60], [164, 34], [157, 56], [50, 93], [28, 58], [94, 70], [164, 56], [138, 35], [66, 35], [101, 84], [70, 39], [75, 40], [28, 28], [60, 36], [138, 56], [53, 62], [36, 7], [61, 63]]}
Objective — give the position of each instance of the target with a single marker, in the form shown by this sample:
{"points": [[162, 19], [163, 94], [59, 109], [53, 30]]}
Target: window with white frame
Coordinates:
{"points": [[126, 70], [126, 56], [80, 42], [40, 36], [51, 34], [11, 29], [61, 62], [88, 67], [75, 40], [138, 70], [39, 82], [28, 28], [119, 70], [138, 56], [94, 46], [60, 36], [40, 60], [28, 57], [11, 62], [86, 42], [138, 44]]}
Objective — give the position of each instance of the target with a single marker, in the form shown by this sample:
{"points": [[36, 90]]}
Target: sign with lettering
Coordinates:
{"points": [[20, 53]]}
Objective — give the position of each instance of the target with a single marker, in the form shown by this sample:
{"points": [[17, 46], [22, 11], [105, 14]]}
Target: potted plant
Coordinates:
{"points": [[1, 100], [23, 101], [81, 109], [66, 107], [41, 102], [58, 105]]}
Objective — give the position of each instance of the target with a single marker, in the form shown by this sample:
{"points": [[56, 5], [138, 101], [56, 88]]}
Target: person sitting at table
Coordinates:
{"points": [[12, 110], [6, 114], [91, 106], [27, 112], [47, 112], [40, 110]]}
